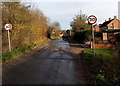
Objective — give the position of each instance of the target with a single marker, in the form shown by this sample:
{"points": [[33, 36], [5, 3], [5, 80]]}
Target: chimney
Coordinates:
{"points": [[109, 19], [115, 17]]}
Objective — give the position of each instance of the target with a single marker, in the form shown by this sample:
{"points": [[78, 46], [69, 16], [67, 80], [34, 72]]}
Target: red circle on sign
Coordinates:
{"points": [[93, 17], [6, 27]]}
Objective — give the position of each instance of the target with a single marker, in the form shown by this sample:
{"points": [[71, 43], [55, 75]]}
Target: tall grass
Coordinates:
{"points": [[105, 54], [103, 66], [20, 50]]}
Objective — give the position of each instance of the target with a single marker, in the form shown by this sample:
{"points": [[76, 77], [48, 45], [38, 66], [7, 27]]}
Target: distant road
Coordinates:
{"points": [[48, 64]]}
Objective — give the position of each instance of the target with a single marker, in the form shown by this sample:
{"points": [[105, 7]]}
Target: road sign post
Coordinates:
{"points": [[92, 20], [9, 41], [8, 27], [92, 38]]}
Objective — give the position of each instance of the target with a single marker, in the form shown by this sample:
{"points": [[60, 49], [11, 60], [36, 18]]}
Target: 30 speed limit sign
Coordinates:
{"points": [[8, 26], [92, 19]]}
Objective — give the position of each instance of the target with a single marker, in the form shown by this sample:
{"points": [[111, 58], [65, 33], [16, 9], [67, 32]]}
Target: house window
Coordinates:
{"points": [[112, 26]]}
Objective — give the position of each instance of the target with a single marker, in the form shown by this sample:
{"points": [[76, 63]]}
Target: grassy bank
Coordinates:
{"points": [[7, 56], [103, 67]]}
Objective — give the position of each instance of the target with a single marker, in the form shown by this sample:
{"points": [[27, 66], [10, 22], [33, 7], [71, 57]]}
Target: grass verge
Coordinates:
{"points": [[103, 67], [7, 56]]}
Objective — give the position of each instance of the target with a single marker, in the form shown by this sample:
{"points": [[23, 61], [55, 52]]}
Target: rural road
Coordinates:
{"points": [[51, 63]]}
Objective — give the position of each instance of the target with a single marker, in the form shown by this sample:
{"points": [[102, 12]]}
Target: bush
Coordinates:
{"points": [[98, 34], [28, 28], [82, 36], [119, 37]]}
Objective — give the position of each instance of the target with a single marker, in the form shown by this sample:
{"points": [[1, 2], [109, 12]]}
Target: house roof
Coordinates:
{"points": [[111, 31], [95, 25], [106, 23]]}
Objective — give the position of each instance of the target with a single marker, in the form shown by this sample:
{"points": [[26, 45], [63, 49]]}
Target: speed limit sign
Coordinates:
{"points": [[8, 26], [92, 19]]}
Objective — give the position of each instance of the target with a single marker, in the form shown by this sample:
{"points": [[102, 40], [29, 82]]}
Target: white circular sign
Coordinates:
{"points": [[8, 26], [92, 19]]}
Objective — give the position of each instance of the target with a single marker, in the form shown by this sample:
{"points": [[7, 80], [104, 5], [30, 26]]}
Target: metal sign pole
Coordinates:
{"points": [[92, 39], [9, 41], [92, 20]]}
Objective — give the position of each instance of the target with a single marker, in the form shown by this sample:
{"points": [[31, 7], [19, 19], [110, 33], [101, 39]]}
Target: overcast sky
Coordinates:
{"points": [[64, 11]]}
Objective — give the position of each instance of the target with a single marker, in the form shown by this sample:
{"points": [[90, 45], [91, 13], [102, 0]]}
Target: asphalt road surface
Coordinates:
{"points": [[51, 63]]}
